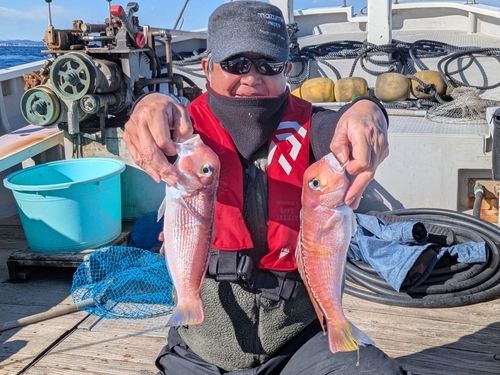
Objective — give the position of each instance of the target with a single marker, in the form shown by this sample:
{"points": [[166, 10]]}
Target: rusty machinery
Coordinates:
{"points": [[96, 74]]}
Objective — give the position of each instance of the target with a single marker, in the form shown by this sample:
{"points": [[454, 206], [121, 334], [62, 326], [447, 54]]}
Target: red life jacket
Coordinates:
{"points": [[288, 159]]}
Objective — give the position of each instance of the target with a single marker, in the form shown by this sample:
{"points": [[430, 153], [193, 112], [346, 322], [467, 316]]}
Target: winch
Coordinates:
{"points": [[97, 72]]}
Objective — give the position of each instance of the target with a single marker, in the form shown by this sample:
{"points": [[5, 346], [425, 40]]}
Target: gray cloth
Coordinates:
{"points": [[242, 27], [305, 354]]}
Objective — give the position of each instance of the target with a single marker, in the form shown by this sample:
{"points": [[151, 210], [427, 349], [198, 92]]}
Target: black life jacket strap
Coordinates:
{"points": [[223, 265], [273, 285]]}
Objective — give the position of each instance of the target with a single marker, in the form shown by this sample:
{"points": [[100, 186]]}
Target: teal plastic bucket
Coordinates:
{"points": [[69, 205]]}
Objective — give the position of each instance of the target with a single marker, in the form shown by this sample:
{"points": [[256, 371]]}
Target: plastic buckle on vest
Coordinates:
{"points": [[271, 287], [245, 269], [275, 287], [226, 266]]}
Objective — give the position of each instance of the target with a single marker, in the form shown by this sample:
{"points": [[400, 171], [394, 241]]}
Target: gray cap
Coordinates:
{"points": [[241, 27]]}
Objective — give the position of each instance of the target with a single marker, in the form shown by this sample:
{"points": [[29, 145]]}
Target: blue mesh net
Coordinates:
{"points": [[124, 282]]}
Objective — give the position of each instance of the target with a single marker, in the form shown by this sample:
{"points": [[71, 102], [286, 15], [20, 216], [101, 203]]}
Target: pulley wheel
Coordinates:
{"points": [[71, 77], [40, 106]]}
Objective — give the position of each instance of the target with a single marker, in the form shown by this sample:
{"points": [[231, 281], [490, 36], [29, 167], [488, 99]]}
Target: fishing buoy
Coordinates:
{"points": [[430, 77], [316, 90], [392, 87], [347, 89], [296, 92]]}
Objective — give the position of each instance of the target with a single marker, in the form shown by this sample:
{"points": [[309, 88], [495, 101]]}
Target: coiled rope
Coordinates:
{"points": [[450, 285]]}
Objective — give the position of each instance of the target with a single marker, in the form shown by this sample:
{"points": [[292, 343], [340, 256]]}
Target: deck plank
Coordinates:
{"points": [[102, 353], [20, 346], [450, 341], [459, 340]]}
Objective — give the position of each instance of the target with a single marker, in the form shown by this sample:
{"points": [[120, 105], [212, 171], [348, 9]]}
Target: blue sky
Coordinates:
{"points": [[27, 19]]}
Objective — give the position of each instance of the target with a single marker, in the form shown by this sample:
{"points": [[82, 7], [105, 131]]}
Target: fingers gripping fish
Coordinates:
{"points": [[326, 227], [188, 210]]}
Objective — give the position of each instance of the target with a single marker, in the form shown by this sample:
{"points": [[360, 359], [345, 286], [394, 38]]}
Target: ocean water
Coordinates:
{"points": [[17, 55]]}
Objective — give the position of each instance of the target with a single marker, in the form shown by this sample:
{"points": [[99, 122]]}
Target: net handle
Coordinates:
{"points": [[46, 315]]}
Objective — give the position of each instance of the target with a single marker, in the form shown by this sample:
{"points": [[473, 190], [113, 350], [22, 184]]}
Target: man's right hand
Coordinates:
{"points": [[147, 134]]}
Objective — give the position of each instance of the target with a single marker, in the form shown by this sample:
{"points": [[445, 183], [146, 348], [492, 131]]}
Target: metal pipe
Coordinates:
{"points": [[177, 81], [97, 38], [49, 13], [478, 200], [168, 57], [167, 36], [190, 34], [93, 28], [180, 14], [390, 111]]}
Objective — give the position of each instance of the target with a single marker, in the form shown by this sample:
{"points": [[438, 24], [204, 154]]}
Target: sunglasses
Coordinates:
{"points": [[242, 65]]}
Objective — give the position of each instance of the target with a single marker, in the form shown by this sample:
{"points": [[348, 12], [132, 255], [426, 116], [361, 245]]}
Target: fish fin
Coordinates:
{"points": [[300, 267], [346, 337], [340, 337], [319, 312], [161, 210], [354, 224], [174, 296], [361, 338], [187, 313], [298, 259]]}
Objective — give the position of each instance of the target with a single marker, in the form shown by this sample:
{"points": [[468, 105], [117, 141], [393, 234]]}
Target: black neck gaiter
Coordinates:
{"points": [[250, 121]]}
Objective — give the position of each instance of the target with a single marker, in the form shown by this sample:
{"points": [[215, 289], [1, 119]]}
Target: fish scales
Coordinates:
{"points": [[327, 225], [185, 230], [188, 211]]}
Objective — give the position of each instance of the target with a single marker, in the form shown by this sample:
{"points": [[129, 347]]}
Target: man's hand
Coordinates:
{"points": [[361, 138], [147, 135]]}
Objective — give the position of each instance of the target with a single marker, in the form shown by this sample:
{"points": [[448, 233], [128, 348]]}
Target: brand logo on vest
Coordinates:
{"points": [[284, 252], [287, 131]]}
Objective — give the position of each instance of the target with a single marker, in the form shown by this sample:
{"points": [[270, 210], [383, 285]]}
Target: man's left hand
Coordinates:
{"points": [[361, 138]]}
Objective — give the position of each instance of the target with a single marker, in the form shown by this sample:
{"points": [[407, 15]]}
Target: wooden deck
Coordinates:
{"points": [[454, 341]]}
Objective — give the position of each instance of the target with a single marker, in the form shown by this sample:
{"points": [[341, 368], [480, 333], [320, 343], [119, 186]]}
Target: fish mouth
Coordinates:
{"points": [[335, 164]]}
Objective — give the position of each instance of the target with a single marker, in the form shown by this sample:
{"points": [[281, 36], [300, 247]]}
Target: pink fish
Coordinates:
{"points": [[188, 210], [326, 227]]}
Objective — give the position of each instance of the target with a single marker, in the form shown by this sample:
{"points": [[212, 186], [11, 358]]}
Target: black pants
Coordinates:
{"points": [[306, 354]]}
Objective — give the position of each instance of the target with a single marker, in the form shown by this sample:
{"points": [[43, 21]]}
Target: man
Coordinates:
{"points": [[258, 319]]}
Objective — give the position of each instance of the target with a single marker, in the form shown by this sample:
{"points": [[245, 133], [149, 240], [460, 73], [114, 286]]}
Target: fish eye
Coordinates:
{"points": [[314, 183], [207, 170]]}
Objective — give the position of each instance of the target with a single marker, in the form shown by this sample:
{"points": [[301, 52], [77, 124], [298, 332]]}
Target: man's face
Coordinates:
{"points": [[245, 85]]}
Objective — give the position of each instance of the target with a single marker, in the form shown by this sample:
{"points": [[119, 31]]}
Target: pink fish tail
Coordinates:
{"points": [[187, 313], [340, 338], [346, 338]]}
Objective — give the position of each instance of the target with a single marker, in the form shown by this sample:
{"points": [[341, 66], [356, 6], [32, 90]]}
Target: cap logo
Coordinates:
{"points": [[272, 19]]}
